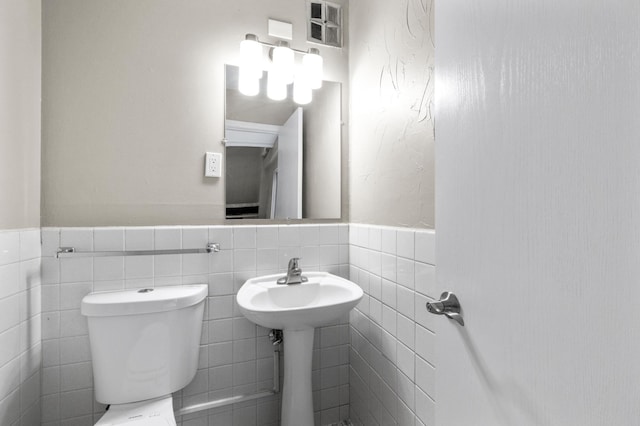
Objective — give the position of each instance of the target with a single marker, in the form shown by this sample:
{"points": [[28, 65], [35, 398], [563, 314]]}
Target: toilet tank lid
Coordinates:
{"points": [[142, 301]]}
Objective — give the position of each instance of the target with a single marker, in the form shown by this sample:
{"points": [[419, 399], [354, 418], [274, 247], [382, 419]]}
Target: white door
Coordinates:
{"points": [[289, 183], [538, 212]]}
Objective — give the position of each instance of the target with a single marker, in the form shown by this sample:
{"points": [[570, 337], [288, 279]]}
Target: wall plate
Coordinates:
{"points": [[213, 164], [280, 29]]}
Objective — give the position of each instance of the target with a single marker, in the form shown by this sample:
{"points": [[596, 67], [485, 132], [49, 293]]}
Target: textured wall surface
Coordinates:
{"points": [[392, 367], [391, 168], [235, 354], [134, 96], [20, 75], [20, 342]]}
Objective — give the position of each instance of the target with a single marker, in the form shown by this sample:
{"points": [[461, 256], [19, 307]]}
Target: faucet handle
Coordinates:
{"points": [[293, 263]]}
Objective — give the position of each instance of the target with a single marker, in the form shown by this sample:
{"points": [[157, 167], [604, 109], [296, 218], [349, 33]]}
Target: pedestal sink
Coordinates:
{"points": [[297, 309]]}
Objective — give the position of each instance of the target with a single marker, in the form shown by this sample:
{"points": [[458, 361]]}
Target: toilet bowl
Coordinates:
{"points": [[144, 346]]}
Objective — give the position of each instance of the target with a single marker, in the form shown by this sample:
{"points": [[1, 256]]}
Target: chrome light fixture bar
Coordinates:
{"points": [[282, 71]]}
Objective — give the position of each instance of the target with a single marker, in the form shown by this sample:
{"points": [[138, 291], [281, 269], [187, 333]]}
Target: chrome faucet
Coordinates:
{"points": [[294, 274]]}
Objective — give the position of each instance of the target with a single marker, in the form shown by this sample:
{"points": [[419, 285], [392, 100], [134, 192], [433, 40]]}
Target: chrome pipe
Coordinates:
{"points": [[222, 402], [276, 370]]}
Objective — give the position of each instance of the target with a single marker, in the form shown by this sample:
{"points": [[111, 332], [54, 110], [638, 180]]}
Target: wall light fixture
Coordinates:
{"points": [[281, 72]]}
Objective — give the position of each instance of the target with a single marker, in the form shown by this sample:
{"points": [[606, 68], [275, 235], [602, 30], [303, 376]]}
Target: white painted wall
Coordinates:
{"points": [[538, 213], [134, 97], [20, 74]]}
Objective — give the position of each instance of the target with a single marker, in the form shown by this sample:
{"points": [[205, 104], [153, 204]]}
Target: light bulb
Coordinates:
{"points": [[251, 56], [313, 66], [248, 84], [276, 87], [283, 59], [302, 92]]}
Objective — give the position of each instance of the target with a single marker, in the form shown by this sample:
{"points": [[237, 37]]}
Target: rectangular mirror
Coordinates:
{"points": [[282, 160]]}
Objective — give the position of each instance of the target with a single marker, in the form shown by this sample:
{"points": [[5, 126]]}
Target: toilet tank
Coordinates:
{"points": [[144, 342]]}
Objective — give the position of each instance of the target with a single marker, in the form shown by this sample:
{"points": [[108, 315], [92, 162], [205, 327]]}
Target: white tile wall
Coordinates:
{"points": [[20, 336], [392, 370], [387, 374], [235, 355]]}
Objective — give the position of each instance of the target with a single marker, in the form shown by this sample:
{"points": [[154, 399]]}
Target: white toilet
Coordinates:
{"points": [[144, 346]]}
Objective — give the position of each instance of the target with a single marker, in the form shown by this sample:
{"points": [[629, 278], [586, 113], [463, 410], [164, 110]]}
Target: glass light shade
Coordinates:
{"points": [[276, 87], [313, 67], [302, 93], [283, 59], [248, 84], [251, 56]]}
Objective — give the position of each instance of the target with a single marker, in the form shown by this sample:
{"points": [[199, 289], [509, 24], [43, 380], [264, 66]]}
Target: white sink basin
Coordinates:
{"points": [[297, 309], [321, 300]]}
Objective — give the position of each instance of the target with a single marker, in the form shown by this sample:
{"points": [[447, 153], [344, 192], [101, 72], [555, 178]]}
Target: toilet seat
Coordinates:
{"points": [[153, 412]]}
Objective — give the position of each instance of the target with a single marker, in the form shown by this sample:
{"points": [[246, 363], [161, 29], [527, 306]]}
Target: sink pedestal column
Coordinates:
{"points": [[297, 397]]}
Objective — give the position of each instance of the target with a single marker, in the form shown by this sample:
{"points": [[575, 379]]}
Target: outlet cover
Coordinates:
{"points": [[213, 164]]}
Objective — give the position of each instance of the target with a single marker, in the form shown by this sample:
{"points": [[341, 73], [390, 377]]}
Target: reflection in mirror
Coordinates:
{"points": [[282, 159]]}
